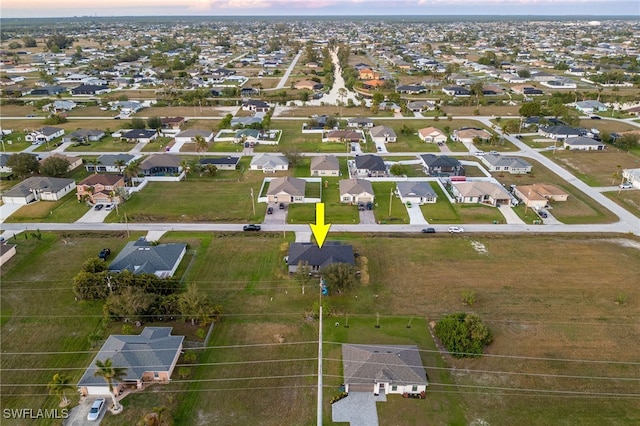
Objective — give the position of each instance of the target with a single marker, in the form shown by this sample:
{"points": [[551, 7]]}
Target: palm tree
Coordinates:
{"points": [[110, 374], [132, 170], [95, 163], [58, 385], [201, 144], [120, 163], [342, 92], [186, 166]]}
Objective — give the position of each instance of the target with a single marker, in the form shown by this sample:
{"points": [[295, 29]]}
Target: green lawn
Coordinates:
{"points": [[66, 210], [107, 144], [335, 211], [397, 214]]}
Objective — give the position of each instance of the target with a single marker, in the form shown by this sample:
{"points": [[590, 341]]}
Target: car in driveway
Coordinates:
{"points": [[98, 207], [96, 409], [428, 230], [455, 230], [543, 214], [251, 227], [626, 185], [281, 206], [269, 210]]}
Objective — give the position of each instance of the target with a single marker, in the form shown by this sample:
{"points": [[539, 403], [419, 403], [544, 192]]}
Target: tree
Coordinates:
{"points": [[54, 166], [110, 374], [212, 169], [23, 164], [339, 277], [225, 123], [94, 265], [194, 304], [201, 144], [59, 385], [186, 167], [29, 41], [398, 170], [132, 170], [138, 123], [154, 123], [120, 164], [464, 335], [94, 162], [131, 304], [293, 155], [58, 42], [530, 109]]}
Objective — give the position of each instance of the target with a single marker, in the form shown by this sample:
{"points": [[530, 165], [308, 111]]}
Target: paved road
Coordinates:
{"points": [[285, 77]]}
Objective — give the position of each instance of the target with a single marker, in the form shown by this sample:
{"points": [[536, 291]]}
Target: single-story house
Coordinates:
{"points": [[318, 258], [74, 162], [308, 85], [416, 192], [7, 251], [325, 165], [109, 163], [250, 136], [100, 188], [269, 163], [148, 357], [342, 136], [45, 134], [38, 188], [468, 135], [360, 122], [590, 106], [356, 191], [174, 123], [255, 106], [370, 165], [558, 132], [48, 90], [89, 89], [432, 135], [140, 135], [221, 163], [581, 143], [82, 135], [161, 165], [441, 165], [245, 121], [411, 89], [420, 106], [481, 192], [456, 91], [385, 369], [128, 107], [286, 189], [503, 163], [632, 176], [381, 134], [190, 135], [538, 195], [142, 257], [59, 105]]}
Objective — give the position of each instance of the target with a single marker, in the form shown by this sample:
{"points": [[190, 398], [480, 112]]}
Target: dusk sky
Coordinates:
{"points": [[61, 8]]}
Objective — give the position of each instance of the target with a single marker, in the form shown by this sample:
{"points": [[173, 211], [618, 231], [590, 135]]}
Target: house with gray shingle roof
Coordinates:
{"points": [[416, 192], [269, 163], [161, 165], [383, 369], [581, 143], [81, 135], [482, 192], [325, 165], [503, 163], [319, 258], [383, 134], [356, 191], [108, 163], [38, 188], [370, 165], [441, 165], [189, 135], [148, 357], [142, 257], [286, 190]]}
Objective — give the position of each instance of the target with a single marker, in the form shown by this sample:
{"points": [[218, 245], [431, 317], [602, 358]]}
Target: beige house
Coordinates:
{"points": [[482, 192], [74, 162], [432, 135], [7, 251], [325, 165], [468, 135], [100, 188], [286, 190], [538, 195], [356, 191]]}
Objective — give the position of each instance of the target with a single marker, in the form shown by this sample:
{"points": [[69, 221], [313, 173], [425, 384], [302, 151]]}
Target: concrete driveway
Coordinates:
{"points": [[278, 217], [95, 216], [415, 215], [367, 217], [358, 409], [78, 415]]}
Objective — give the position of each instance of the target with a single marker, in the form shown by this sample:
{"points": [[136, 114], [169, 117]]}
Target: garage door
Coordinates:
{"points": [[361, 387]]}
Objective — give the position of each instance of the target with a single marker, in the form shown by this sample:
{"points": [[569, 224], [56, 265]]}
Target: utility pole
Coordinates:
{"points": [[126, 224], [390, 200], [319, 403], [253, 203]]}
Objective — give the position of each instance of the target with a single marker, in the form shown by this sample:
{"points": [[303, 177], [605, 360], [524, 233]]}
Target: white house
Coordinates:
{"points": [[416, 192], [38, 188], [632, 176], [269, 163], [502, 163], [45, 134], [190, 134], [356, 191], [580, 143]]}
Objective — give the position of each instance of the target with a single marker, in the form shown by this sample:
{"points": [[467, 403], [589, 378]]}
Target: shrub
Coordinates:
{"points": [[464, 335]]}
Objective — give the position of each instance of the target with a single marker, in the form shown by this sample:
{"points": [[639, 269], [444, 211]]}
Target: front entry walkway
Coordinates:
{"points": [[358, 409]]}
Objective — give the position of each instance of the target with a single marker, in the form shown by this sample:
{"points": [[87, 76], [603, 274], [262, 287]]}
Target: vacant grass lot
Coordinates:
{"points": [[596, 168], [629, 199], [545, 315]]}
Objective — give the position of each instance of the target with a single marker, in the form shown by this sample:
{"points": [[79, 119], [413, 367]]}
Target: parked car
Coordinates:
{"points": [[96, 409], [479, 153], [596, 117], [281, 206], [626, 185], [251, 227], [455, 229], [369, 205], [361, 206], [270, 210], [98, 207], [543, 214], [109, 207], [493, 152], [104, 253], [428, 230]]}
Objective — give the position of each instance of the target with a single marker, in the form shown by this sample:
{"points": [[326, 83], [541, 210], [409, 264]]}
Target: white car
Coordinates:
{"points": [[455, 229], [479, 153], [95, 410], [626, 185]]}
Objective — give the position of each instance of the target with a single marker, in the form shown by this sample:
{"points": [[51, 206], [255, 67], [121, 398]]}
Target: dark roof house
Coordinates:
{"points": [[142, 257], [319, 258]]}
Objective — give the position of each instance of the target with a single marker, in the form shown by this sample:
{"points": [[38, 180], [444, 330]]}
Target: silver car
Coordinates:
{"points": [[95, 410]]}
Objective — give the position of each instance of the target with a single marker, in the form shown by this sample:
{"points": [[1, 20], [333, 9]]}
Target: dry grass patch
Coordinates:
{"points": [[597, 168]]}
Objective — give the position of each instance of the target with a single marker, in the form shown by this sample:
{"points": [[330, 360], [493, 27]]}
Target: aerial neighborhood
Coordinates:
{"points": [[210, 220]]}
